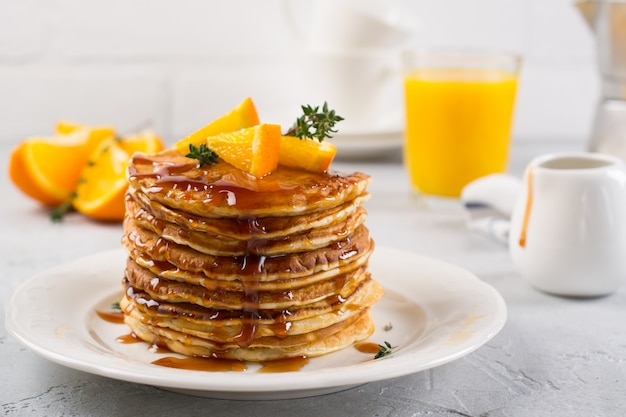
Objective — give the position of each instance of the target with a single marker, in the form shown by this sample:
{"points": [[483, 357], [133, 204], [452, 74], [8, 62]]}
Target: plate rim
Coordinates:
{"points": [[351, 375]]}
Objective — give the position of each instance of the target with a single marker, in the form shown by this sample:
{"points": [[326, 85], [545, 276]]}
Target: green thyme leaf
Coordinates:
{"points": [[203, 154], [58, 213], [384, 350], [315, 124]]}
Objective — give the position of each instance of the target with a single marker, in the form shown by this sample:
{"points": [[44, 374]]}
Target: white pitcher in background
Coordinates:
{"points": [[568, 227]]}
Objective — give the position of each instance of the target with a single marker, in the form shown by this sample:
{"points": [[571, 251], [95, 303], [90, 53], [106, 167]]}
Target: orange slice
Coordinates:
{"points": [[48, 168], [94, 134], [101, 191], [306, 154], [146, 142], [254, 149], [63, 127], [242, 116], [23, 178]]}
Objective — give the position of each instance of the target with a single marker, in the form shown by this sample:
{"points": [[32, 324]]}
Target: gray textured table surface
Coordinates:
{"points": [[554, 357]]}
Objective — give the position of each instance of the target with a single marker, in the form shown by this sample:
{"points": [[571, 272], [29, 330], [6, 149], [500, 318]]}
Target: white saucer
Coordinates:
{"points": [[352, 146]]}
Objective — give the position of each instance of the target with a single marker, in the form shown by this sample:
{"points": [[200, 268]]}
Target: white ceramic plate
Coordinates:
{"points": [[438, 313]]}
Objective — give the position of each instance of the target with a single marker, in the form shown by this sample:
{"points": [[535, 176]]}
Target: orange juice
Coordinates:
{"points": [[458, 126]]}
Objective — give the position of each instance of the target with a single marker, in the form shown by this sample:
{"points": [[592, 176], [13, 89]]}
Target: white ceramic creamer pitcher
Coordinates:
{"points": [[568, 227]]}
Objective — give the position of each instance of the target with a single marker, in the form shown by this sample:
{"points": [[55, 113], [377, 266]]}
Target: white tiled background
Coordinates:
{"points": [[175, 65]]}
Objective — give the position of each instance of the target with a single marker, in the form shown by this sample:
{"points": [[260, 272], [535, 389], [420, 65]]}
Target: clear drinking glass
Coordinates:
{"points": [[459, 111]]}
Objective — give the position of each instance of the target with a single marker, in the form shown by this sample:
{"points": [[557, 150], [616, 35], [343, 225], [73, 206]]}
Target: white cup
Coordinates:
{"points": [[348, 55], [568, 227], [349, 24], [359, 24], [364, 87]]}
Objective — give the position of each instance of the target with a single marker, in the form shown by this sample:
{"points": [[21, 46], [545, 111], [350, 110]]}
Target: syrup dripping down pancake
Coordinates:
{"points": [[176, 291], [225, 265], [285, 266]]}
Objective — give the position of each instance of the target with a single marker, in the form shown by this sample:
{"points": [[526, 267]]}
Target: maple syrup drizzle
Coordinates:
{"points": [[128, 339], [284, 365], [252, 267], [157, 347], [367, 347], [529, 203], [222, 183], [201, 364], [116, 317]]}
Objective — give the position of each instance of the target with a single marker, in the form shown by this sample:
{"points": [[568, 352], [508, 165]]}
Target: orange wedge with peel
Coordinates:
{"points": [[254, 149], [242, 116], [146, 142], [307, 154], [102, 187], [63, 127], [103, 183], [47, 169]]}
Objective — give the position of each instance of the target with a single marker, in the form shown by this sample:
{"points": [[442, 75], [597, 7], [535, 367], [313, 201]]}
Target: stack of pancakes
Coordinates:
{"points": [[222, 264]]}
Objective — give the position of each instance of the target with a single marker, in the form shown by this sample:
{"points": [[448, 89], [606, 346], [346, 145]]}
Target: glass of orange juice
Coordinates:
{"points": [[459, 113]]}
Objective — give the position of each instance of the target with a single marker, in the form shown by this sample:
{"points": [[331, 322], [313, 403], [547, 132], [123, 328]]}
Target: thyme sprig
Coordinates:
{"points": [[58, 213], [315, 124], [384, 350], [203, 154]]}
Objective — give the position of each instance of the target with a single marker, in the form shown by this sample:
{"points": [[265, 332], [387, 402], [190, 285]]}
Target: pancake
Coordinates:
{"points": [[222, 264], [212, 324], [175, 291], [219, 324], [169, 271], [223, 191], [286, 266], [214, 244], [239, 227], [321, 342]]}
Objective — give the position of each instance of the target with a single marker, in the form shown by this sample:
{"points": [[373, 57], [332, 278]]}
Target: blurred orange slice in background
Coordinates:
{"points": [[254, 149], [242, 116], [307, 154], [64, 127], [47, 169], [102, 186]]}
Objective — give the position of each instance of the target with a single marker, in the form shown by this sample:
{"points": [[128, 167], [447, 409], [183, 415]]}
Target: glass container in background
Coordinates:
{"points": [[458, 117]]}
